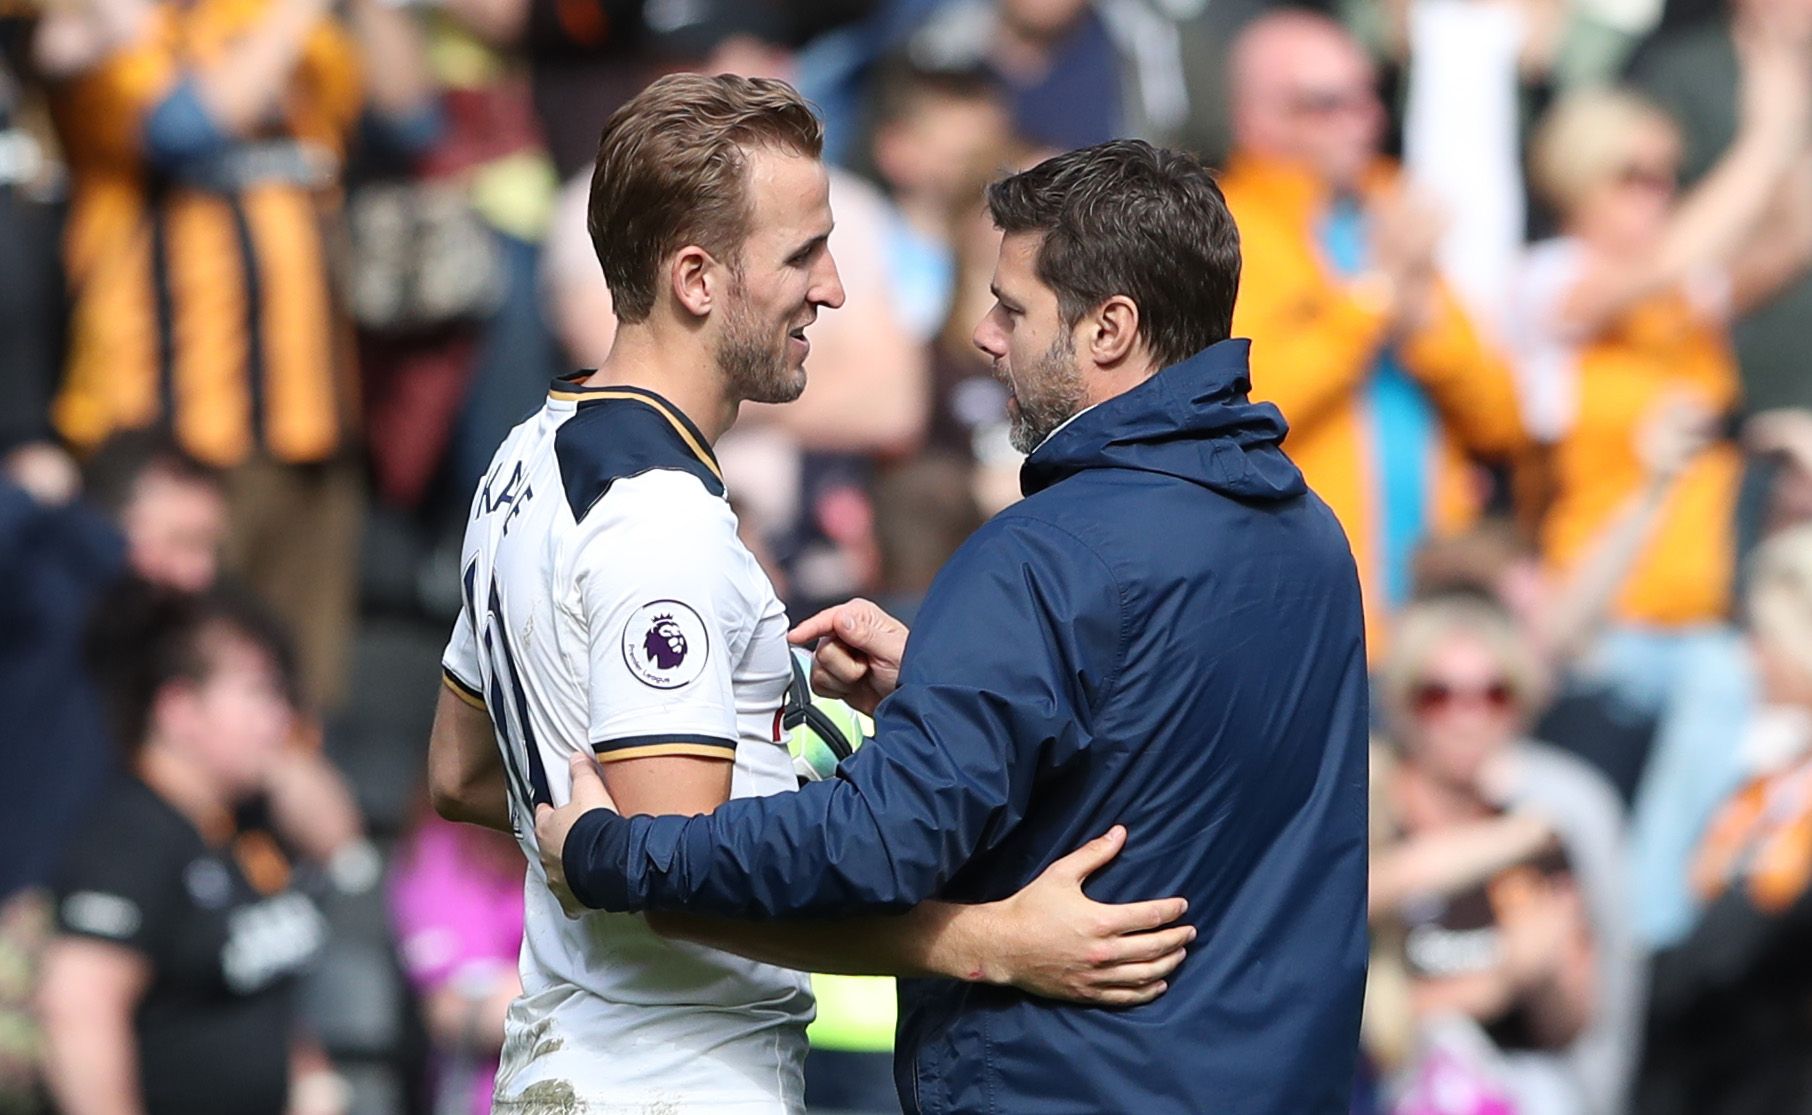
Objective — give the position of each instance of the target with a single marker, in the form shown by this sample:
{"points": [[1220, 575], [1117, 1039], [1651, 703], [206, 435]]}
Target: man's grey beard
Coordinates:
{"points": [[754, 371], [1050, 393]]}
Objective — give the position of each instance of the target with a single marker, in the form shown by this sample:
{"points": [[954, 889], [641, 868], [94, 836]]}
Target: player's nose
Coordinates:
{"points": [[827, 291]]}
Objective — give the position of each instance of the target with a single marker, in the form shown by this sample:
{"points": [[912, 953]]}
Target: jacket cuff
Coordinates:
{"points": [[595, 860]]}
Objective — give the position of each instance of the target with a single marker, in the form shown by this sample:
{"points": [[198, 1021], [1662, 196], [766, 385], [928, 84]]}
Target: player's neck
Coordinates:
{"points": [[680, 371]]}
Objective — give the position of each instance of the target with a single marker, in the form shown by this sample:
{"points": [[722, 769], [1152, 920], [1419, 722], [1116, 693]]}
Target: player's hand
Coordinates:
{"points": [[552, 826], [858, 655], [1052, 940]]}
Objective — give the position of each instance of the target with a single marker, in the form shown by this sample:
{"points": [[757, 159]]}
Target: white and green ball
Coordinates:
{"points": [[820, 731]]}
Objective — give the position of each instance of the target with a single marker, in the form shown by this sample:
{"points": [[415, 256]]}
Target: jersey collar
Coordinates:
{"points": [[570, 388]]}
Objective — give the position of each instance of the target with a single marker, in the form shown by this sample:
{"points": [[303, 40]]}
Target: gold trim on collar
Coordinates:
{"points": [[698, 450]]}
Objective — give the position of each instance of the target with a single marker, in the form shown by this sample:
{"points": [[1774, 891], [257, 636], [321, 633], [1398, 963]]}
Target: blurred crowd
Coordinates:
{"points": [[1527, 278]]}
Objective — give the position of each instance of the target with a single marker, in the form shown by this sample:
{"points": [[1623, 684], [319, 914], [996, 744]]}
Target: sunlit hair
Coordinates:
{"points": [[1427, 626], [672, 172], [1583, 140], [1779, 600]]}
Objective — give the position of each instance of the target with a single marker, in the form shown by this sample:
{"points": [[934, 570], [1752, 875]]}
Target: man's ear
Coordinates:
{"points": [[696, 279], [1113, 331]]}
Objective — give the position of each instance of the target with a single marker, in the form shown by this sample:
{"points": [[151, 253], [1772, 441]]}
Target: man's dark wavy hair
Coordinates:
{"points": [[1128, 218]]}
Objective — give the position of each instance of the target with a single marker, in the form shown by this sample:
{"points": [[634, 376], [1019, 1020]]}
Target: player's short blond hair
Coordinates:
{"points": [[1584, 139], [671, 171]]}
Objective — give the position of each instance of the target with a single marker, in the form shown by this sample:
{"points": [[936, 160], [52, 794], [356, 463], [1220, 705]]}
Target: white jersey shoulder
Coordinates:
{"points": [[609, 605]]}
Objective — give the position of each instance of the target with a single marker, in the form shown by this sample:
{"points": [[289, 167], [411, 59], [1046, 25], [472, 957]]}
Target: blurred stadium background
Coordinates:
{"points": [[1525, 276]]}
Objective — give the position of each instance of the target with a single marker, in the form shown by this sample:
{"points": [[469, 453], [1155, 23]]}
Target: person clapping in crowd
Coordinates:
{"points": [[1388, 387], [1626, 316]]}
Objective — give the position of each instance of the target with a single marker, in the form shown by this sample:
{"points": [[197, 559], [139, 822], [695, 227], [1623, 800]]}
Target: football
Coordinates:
{"points": [[820, 732]]}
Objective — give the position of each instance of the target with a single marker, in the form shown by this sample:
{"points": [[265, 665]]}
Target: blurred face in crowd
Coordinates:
{"points": [[748, 56], [1769, 10], [785, 274], [1304, 91], [1786, 677], [1461, 710], [1778, 607], [1627, 208], [1042, 19], [174, 529], [233, 723], [935, 152], [1033, 352]]}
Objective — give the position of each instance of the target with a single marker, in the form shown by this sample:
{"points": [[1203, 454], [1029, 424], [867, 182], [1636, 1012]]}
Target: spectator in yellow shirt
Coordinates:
{"points": [[1389, 389], [205, 140]]}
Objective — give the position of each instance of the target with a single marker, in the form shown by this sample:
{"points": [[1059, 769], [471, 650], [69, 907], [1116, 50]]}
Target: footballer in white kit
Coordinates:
{"points": [[609, 605]]}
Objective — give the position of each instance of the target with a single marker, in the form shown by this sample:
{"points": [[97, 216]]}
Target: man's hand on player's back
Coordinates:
{"points": [[858, 655], [1052, 940], [552, 825]]}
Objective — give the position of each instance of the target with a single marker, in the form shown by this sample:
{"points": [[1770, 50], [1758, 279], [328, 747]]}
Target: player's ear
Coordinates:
{"points": [[696, 279], [1112, 331]]}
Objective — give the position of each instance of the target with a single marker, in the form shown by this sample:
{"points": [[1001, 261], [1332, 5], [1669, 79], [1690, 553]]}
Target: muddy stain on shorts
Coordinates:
{"points": [[547, 1097]]}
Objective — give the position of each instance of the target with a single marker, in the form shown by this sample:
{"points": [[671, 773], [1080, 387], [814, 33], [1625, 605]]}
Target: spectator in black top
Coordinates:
{"points": [[155, 513], [168, 986], [1730, 1026]]}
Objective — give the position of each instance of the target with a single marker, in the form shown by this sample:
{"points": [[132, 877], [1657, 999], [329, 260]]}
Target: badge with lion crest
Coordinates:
{"points": [[665, 644]]}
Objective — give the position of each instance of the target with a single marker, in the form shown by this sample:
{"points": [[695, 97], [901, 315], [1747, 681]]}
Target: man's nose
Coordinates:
{"points": [[988, 338]]}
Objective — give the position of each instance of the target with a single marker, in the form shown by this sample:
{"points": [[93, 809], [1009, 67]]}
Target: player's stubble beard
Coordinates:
{"points": [[754, 368], [1047, 394]]}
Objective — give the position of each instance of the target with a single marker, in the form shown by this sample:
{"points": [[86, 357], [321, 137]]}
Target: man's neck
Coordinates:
{"points": [[1111, 383], [680, 372]]}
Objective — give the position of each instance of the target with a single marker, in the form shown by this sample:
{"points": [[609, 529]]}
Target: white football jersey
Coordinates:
{"points": [[610, 606]]}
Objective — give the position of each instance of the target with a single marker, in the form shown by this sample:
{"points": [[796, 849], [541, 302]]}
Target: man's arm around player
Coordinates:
{"points": [[1049, 939]]}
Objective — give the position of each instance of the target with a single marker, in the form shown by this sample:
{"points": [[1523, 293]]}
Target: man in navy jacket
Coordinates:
{"points": [[1165, 633]]}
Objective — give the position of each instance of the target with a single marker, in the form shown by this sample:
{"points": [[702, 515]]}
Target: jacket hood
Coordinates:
{"points": [[1192, 420]]}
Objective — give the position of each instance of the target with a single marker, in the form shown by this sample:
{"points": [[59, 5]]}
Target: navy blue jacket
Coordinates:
{"points": [[1165, 633]]}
